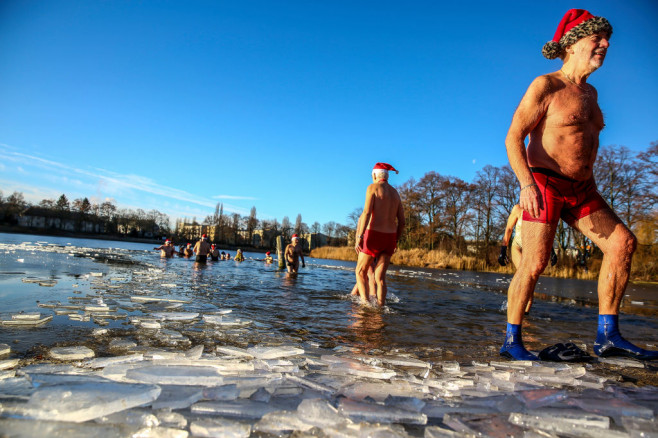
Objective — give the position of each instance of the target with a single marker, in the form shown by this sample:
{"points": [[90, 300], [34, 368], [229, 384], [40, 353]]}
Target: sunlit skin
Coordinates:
{"points": [[167, 250], [292, 255], [382, 212], [560, 114]]}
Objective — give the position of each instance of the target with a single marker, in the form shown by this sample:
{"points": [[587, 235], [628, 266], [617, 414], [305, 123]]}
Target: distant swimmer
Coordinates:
{"points": [[188, 252], [167, 250], [292, 255], [239, 257], [214, 253], [268, 258], [380, 227], [202, 249], [560, 114], [514, 224], [181, 250], [222, 256]]}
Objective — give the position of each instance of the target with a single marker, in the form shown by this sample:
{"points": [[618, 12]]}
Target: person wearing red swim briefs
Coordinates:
{"points": [[561, 116], [379, 229]]}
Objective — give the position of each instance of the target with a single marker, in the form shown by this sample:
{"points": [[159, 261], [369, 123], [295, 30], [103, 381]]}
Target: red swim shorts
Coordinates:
{"points": [[564, 198], [376, 242]]}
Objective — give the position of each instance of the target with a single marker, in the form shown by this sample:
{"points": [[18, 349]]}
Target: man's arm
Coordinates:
{"points": [[511, 222], [401, 222], [364, 220], [529, 113]]}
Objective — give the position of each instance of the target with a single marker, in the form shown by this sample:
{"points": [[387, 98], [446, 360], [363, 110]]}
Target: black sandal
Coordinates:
{"points": [[568, 352]]}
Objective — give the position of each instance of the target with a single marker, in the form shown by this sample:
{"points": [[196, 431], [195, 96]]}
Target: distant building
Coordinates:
{"points": [[45, 218]]}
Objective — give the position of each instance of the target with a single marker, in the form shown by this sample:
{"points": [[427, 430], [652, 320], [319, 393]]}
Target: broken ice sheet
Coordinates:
{"points": [[280, 422], [493, 425], [224, 392], [379, 391], [86, 401], [320, 413], [4, 349], [177, 397], [220, 428], [536, 398], [244, 409], [8, 364], [564, 422], [612, 407], [71, 353], [375, 413], [141, 418], [16, 428], [274, 352], [176, 375], [359, 369]]}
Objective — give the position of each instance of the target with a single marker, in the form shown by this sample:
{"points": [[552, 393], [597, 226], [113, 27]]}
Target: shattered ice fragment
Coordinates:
{"points": [[362, 370], [171, 419], [379, 391], [87, 401], [622, 362], [220, 428], [176, 316], [154, 325], [71, 353], [224, 392], [280, 422], [450, 367], [375, 413], [160, 432], [571, 423], [176, 375], [4, 349], [102, 362], [274, 352], [320, 413], [134, 417], [536, 398], [26, 316], [245, 409], [233, 351], [27, 322], [261, 395], [122, 344], [8, 364], [177, 397]]}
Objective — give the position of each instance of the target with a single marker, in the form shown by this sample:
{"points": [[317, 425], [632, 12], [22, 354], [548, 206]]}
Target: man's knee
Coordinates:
{"points": [[622, 245]]}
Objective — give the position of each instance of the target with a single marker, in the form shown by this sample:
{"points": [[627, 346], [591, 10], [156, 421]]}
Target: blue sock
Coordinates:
{"points": [[609, 341], [513, 347]]}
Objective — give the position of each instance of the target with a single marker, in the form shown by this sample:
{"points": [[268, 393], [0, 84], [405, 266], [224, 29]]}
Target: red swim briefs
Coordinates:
{"points": [[564, 198], [376, 242]]}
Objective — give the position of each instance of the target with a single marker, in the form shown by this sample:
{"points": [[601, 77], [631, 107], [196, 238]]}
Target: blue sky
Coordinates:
{"points": [[287, 105]]}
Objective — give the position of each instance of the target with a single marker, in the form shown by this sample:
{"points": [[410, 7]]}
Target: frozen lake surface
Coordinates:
{"points": [[106, 338]]}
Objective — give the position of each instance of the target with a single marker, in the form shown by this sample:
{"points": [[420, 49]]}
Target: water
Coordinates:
{"points": [[430, 313], [134, 345]]}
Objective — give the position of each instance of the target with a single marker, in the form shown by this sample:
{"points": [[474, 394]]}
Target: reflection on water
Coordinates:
{"points": [[430, 314]]}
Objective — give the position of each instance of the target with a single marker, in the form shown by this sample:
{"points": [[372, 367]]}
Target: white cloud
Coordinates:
{"points": [[247, 198]]}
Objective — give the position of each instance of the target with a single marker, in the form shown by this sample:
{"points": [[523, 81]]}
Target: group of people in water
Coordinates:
{"points": [[203, 250]]}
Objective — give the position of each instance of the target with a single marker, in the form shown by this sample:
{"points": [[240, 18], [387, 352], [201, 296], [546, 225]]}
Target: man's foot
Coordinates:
{"points": [[609, 341], [516, 352], [513, 346], [616, 345]]}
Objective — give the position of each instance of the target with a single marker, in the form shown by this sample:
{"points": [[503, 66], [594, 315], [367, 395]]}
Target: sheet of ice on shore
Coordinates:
{"points": [[274, 352], [220, 428], [224, 392], [233, 351], [8, 364], [243, 409], [376, 413], [86, 401], [4, 350], [380, 391], [536, 398], [27, 322], [359, 369], [566, 422], [178, 397], [612, 407], [176, 316], [320, 413], [71, 353], [16, 428], [134, 417], [102, 362], [176, 375], [495, 425], [279, 422]]}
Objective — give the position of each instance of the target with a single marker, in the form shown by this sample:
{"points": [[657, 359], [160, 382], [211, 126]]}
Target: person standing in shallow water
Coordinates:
{"points": [[560, 114], [202, 249], [378, 232], [167, 250], [292, 254]]}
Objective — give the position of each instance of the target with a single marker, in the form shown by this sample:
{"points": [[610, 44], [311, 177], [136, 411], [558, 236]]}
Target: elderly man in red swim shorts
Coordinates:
{"points": [[560, 114], [380, 227]]}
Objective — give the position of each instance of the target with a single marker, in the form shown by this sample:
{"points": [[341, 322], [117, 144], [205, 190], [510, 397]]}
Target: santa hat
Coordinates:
{"points": [[166, 241], [384, 166], [268, 253], [295, 236], [576, 24], [204, 236]]}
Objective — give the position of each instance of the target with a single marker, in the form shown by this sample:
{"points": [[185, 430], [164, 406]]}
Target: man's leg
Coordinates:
{"points": [[618, 244], [380, 278], [362, 264], [515, 251], [537, 241]]}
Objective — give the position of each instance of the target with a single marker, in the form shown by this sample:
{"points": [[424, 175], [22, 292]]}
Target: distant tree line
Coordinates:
{"points": [[450, 214], [77, 216]]}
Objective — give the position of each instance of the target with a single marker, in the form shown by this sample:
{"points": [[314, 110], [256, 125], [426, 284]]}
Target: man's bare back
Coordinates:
{"points": [[566, 139], [385, 201]]}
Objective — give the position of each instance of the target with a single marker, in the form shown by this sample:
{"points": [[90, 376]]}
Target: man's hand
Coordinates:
{"points": [[502, 258], [530, 200]]}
